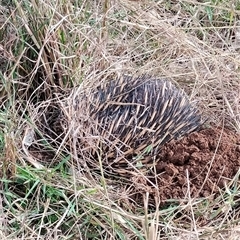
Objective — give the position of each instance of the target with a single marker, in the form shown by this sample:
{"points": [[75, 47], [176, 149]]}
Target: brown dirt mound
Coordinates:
{"points": [[200, 163]]}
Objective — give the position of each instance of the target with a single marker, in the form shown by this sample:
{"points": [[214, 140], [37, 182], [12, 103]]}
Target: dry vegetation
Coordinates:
{"points": [[49, 47]]}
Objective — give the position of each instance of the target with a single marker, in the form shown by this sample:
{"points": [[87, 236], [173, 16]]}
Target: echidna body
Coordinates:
{"points": [[128, 115]]}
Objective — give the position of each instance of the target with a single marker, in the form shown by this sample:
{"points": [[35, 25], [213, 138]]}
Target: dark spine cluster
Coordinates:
{"points": [[135, 113]]}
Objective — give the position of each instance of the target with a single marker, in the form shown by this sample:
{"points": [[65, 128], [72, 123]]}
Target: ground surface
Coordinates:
{"points": [[198, 165], [206, 159]]}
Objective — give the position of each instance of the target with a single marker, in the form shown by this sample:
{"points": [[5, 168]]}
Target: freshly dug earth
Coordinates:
{"points": [[201, 163]]}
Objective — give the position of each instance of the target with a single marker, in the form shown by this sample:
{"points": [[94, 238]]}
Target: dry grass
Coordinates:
{"points": [[49, 47]]}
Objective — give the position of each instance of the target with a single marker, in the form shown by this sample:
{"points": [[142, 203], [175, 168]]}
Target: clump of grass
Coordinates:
{"points": [[49, 47]]}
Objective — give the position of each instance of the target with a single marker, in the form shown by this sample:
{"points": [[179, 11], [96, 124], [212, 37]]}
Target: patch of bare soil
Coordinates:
{"points": [[200, 163]]}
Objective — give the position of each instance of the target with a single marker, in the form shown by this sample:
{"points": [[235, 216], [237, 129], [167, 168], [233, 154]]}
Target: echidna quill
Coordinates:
{"points": [[131, 116]]}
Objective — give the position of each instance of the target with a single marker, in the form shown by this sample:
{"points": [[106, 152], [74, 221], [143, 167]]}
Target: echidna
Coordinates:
{"points": [[130, 116]]}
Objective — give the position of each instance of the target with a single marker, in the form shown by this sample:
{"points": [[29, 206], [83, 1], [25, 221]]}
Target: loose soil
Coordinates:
{"points": [[199, 164]]}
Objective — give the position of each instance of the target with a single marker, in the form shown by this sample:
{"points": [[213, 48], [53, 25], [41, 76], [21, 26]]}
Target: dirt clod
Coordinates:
{"points": [[201, 163]]}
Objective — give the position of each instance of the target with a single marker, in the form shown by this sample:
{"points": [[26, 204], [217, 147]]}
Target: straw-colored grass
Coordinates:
{"points": [[49, 47]]}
